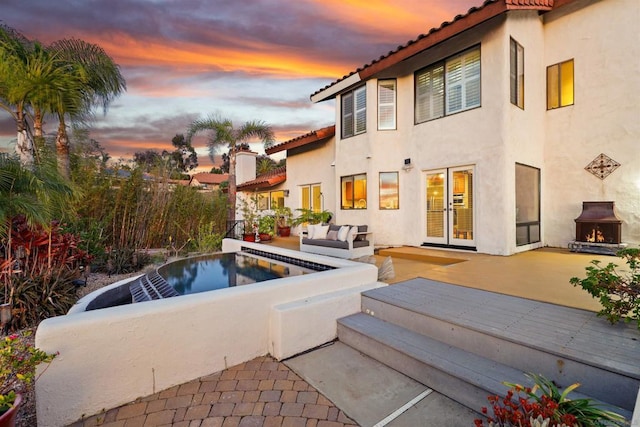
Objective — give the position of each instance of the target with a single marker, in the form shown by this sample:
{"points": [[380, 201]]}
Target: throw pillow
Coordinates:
{"points": [[332, 235], [342, 233], [311, 228], [321, 232], [352, 233]]}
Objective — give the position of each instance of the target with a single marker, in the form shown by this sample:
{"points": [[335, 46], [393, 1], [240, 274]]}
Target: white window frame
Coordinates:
{"points": [[437, 86], [387, 94], [354, 112]]}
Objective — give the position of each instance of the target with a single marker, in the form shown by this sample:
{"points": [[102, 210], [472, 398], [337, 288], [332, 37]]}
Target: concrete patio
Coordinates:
{"points": [[335, 385]]}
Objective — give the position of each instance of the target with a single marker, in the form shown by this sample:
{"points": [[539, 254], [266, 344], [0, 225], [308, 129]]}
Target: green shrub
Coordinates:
{"points": [[618, 292]]}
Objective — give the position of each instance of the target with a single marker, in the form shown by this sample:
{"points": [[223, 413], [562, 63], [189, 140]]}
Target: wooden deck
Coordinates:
{"points": [[568, 332]]}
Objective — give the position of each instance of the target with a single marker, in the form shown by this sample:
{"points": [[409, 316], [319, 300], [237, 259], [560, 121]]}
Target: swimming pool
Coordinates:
{"points": [[225, 270]]}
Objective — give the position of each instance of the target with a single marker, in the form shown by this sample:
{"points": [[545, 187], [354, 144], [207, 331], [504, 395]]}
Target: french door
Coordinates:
{"points": [[449, 206]]}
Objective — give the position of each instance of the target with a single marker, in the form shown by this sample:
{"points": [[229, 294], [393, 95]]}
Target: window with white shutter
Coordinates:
{"points": [[386, 104], [430, 93], [354, 112], [448, 87]]}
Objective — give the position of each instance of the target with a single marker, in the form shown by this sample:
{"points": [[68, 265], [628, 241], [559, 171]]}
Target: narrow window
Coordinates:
{"points": [[386, 104], [389, 191], [354, 112], [527, 204], [560, 85], [353, 192], [517, 73]]}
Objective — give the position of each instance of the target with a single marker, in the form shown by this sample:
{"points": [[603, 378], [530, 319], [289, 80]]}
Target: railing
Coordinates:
{"points": [[235, 229]]}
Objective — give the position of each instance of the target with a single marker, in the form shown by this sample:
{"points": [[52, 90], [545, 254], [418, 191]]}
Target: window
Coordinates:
{"points": [[386, 104], [354, 192], [389, 190], [277, 199], [311, 197], [527, 204], [516, 53], [354, 112], [269, 200], [448, 87], [262, 201], [560, 85]]}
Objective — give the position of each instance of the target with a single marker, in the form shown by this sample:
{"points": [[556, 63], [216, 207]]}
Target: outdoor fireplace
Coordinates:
{"points": [[598, 223]]}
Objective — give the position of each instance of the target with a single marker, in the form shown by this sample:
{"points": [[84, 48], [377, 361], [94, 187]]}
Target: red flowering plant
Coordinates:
{"points": [[544, 405], [18, 362]]}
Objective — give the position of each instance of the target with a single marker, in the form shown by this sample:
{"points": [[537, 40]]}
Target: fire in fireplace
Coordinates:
{"points": [[598, 223]]}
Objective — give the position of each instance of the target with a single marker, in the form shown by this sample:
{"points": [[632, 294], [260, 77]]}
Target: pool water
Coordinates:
{"points": [[202, 274]]}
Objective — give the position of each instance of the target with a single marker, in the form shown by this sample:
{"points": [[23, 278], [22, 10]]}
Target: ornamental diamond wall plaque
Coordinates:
{"points": [[602, 166]]}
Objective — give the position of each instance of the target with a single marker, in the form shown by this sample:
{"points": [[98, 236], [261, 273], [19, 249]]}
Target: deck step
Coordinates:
{"points": [[461, 375], [564, 344]]}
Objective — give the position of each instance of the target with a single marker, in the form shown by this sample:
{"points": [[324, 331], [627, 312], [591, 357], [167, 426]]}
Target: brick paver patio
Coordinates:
{"points": [[258, 393]]}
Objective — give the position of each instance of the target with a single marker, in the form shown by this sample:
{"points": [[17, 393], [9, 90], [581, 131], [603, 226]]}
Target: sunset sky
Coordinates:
{"points": [[243, 60]]}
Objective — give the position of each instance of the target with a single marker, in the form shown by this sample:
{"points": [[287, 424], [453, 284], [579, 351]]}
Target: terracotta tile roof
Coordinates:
{"points": [[308, 138], [460, 23], [266, 180], [210, 178]]}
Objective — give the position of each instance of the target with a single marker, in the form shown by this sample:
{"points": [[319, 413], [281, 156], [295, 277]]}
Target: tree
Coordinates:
{"points": [[147, 160], [101, 83], [265, 164], [224, 134], [184, 157]]}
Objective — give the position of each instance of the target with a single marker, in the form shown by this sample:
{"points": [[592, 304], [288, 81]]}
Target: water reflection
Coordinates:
{"points": [[219, 271]]}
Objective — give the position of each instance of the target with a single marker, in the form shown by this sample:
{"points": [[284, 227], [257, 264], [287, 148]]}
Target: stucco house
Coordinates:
{"points": [[487, 133], [208, 181]]}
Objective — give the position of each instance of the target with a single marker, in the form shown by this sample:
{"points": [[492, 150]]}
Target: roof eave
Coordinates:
{"points": [[332, 91]]}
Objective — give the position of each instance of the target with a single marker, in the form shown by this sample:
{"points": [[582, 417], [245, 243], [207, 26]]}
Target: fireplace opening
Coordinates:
{"points": [[598, 223]]}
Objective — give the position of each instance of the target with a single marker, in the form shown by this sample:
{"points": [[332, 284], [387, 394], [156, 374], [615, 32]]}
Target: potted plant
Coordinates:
{"points": [[250, 217], [309, 216], [266, 227], [283, 219], [18, 361]]}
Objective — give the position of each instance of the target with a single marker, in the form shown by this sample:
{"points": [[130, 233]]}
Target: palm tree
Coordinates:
{"points": [[94, 81], [16, 53], [224, 135]]}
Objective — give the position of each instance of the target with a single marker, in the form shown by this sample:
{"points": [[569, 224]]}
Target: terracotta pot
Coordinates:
{"points": [[265, 237], [8, 419], [284, 231], [249, 237]]}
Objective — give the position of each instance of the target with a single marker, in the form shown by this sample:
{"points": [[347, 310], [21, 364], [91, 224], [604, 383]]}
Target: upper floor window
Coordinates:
{"points": [[386, 104], [516, 53], [448, 87], [354, 112], [353, 192], [560, 85]]}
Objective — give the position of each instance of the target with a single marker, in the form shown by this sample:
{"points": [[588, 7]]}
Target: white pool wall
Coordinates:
{"points": [[112, 356]]}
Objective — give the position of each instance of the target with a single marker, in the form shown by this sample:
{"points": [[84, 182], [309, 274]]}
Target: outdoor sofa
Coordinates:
{"points": [[338, 241]]}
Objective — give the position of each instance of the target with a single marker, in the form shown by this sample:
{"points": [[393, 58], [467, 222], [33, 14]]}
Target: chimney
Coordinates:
{"points": [[245, 166]]}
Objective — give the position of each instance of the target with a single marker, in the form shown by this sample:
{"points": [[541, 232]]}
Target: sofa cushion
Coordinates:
{"points": [[326, 243], [334, 227], [321, 232], [332, 235], [360, 243], [342, 234]]}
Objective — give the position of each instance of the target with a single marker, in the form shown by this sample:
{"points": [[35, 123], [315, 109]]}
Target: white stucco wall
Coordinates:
{"points": [[603, 39], [306, 167], [112, 356], [496, 136]]}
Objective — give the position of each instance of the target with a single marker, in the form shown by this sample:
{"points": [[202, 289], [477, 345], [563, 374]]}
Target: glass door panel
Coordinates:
{"points": [[436, 207], [449, 206], [461, 206]]}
